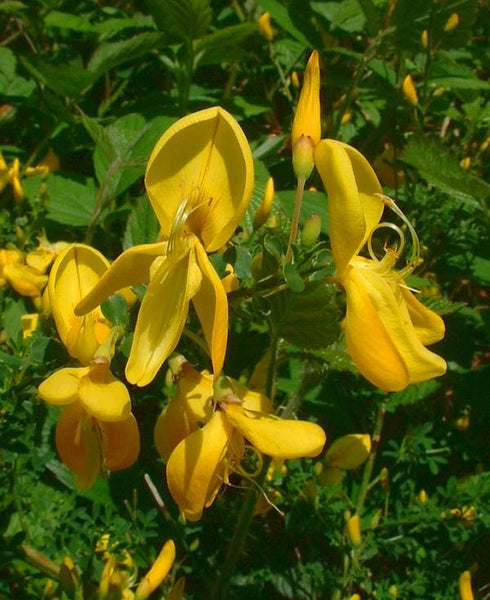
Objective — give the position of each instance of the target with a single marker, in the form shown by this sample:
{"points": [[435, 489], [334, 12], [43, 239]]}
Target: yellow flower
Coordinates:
{"points": [[353, 530], [75, 272], [44, 255], [96, 429], [25, 280], [8, 257], [199, 180], [29, 324], [202, 432], [386, 328]]}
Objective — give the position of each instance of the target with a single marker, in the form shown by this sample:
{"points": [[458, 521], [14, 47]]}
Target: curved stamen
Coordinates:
{"points": [[414, 257]]}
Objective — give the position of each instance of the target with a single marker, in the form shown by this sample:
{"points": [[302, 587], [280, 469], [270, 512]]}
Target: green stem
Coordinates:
{"points": [[368, 467], [245, 517], [295, 222]]}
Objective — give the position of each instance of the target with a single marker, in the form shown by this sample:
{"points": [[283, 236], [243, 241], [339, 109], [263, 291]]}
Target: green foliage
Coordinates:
{"points": [[97, 84]]}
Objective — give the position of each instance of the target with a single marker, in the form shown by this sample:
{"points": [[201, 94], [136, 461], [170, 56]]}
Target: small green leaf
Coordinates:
{"points": [[438, 166], [70, 202], [309, 319], [293, 278], [142, 226], [413, 394], [187, 19], [68, 21], [64, 79], [115, 309], [225, 44], [111, 54]]}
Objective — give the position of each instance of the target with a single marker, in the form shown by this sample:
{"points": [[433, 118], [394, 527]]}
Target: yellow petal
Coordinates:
{"points": [[121, 443], [195, 393], [78, 445], [159, 570], [103, 396], [282, 438], [132, 267], [74, 273], [204, 162], [62, 386], [25, 280], [380, 336], [211, 305], [307, 116], [195, 468], [29, 324], [172, 426], [429, 326], [354, 209], [162, 317], [349, 451]]}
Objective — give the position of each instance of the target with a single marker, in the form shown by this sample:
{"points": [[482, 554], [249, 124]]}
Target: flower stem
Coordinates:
{"points": [[368, 467], [220, 590], [295, 222]]}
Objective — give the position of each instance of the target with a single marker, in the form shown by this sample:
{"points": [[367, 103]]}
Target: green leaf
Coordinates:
{"points": [[142, 226], [187, 19], [281, 15], [293, 278], [11, 319], [70, 202], [64, 20], [346, 15], [440, 168], [225, 45], [64, 79], [111, 54], [413, 394], [12, 6], [313, 203], [115, 309], [11, 84], [308, 319]]}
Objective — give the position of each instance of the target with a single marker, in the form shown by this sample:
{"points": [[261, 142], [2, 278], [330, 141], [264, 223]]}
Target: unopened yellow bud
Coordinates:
{"points": [[264, 209], [295, 79], [465, 591], [376, 519], [485, 144], [422, 497], [462, 423], [306, 123], [346, 117], [409, 90], [452, 23], [355, 597], [265, 28], [393, 591], [158, 571], [353, 529], [424, 38], [465, 163], [311, 230]]}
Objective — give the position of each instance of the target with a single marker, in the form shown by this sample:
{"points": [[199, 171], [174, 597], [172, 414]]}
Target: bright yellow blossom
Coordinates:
{"points": [[202, 432], [96, 429], [199, 180], [75, 272], [386, 328], [464, 585]]}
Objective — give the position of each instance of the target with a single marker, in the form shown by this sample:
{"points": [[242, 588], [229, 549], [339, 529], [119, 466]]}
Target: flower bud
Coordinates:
{"points": [[265, 28], [409, 91], [311, 230], [451, 23], [353, 529], [424, 38], [158, 571], [422, 497], [264, 209], [465, 591]]}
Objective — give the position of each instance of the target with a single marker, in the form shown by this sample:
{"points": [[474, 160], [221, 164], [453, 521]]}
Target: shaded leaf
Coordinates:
{"points": [[70, 202], [142, 226]]}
